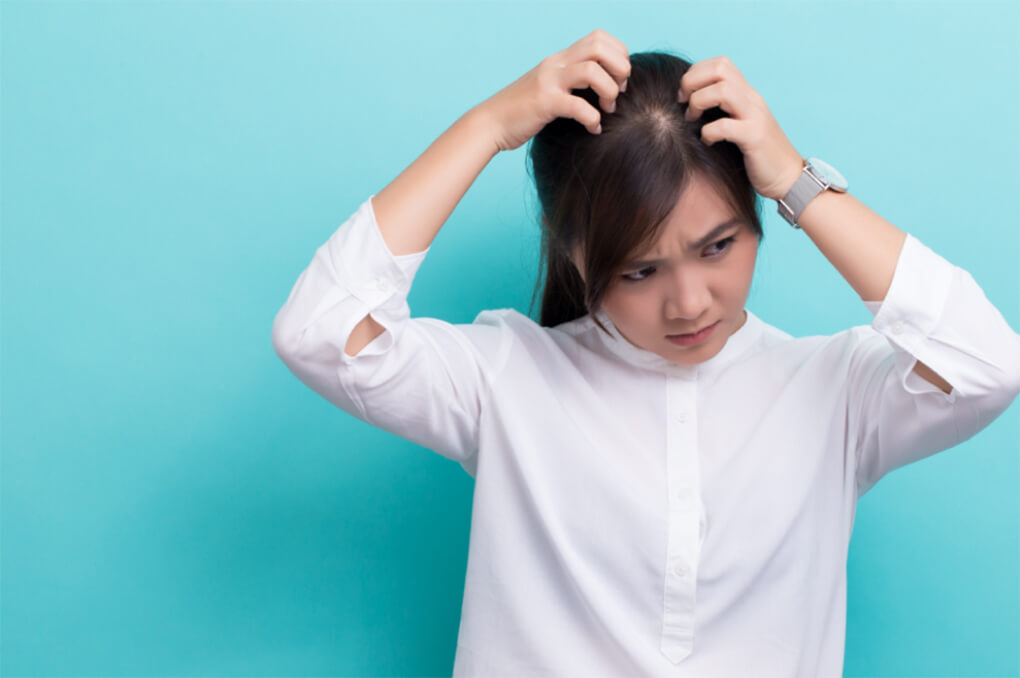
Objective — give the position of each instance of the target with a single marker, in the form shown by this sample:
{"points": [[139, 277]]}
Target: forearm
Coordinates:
{"points": [[414, 206], [862, 246]]}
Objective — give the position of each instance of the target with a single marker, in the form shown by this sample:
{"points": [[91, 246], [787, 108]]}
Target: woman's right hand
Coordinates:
{"points": [[521, 109]]}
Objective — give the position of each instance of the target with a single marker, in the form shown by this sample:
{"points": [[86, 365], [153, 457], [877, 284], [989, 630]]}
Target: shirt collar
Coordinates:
{"points": [[734, 347]]}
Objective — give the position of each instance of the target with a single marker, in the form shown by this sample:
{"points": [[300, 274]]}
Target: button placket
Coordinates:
{"points": [[684, 538]]}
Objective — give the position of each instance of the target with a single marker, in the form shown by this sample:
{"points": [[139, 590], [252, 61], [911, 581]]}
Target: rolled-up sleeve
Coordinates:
{"points": [[422, 379], [935, 313]]}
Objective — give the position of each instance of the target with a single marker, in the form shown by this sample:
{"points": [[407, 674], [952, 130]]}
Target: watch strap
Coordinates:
{"points": [[808, 185]]}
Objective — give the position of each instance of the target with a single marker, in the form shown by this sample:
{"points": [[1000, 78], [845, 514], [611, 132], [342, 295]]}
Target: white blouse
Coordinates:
{"points": [[634, 517]]}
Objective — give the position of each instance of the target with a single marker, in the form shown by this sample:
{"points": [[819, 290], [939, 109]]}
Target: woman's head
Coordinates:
{"points": [[646, 188]]}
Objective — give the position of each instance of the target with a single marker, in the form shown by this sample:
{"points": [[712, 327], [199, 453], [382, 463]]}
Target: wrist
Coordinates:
{"points": [[481, 122], [791, 178]]}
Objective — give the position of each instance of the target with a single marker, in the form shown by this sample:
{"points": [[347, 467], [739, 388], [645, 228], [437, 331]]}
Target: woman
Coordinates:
{"points": [[665, 484]]}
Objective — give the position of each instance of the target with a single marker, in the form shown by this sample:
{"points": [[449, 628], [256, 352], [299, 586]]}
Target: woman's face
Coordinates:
{"points": [[701, 276]]}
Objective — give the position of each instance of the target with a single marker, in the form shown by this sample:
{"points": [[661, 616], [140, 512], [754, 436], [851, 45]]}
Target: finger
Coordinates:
{"points": [[720, 94], [723, 129], [609, 52], [702, 74], [580, 110], [622, 49], [619, 43], [599, 34], [592, 74]]}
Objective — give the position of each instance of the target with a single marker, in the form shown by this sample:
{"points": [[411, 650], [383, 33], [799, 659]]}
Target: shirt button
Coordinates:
{"points": [[683, 493], [680, 571], [898, 327], [681, 417]]}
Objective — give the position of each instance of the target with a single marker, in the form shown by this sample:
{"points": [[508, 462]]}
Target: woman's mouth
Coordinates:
{"points": [[691, 339]]}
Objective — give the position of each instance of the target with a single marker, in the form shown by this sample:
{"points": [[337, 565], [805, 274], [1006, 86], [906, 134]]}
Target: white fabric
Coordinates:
{"points": [[633, 517]]}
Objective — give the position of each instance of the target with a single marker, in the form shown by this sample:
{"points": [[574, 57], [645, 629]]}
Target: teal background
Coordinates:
{"points": [[176, 503]]}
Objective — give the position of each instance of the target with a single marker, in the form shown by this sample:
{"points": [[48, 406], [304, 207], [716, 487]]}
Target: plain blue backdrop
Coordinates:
{"points": [[176, 502]]}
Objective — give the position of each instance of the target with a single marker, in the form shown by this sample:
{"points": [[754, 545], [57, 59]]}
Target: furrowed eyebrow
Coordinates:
{"points": [[701, 242]]}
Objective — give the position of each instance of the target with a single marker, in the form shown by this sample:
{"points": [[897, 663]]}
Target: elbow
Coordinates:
{"points": [[282, 340], [1010, 379], [1004, 393], [1006, 397], [1012, 385], [996, 377], [280, 345]]}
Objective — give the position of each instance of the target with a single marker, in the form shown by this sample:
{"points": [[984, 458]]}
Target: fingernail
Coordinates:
{"points": [[598, 130], [680, 95], [611, 108], [623, 87]]}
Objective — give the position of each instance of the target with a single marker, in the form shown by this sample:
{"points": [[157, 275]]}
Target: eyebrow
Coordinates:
{"points": [[698, 244]]}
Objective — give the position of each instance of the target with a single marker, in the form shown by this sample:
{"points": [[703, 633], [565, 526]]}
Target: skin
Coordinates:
{"points": [[695, 289], [862, 246]]}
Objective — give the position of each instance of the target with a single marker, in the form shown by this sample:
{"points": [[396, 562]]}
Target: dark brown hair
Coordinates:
{"points": [[609, 194]]}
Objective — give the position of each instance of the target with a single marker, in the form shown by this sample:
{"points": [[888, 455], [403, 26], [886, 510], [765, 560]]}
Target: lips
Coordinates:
{"points": [[691, 334]]}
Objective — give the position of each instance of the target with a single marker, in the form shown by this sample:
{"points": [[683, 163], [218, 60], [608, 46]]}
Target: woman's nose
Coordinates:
{"points": [[688, 298]]}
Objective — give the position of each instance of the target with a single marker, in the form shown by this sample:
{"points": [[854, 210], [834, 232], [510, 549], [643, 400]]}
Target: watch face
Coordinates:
{"points": [[830, 173]]}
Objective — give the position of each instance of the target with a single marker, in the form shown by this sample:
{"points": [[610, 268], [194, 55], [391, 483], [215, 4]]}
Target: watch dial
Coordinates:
{"points": [[830, 173]]}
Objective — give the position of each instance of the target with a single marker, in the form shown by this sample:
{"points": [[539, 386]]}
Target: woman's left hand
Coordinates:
{"points": [[772, 163]]}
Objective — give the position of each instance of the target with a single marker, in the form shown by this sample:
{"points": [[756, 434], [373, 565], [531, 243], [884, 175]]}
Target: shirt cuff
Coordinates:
{"points": [[912, 310], [365, 268], [917, 296], [364, 264]]}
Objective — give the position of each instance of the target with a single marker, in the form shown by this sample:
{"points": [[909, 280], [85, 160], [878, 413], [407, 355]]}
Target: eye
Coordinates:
{"points": [[722, 245], [628, 278]]}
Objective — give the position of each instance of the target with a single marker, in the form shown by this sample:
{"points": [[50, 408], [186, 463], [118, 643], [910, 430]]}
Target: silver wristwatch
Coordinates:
{"points": [[816, 176]]}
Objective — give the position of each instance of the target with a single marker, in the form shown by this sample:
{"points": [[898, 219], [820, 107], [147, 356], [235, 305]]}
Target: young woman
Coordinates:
{"points": [[665, 484]]}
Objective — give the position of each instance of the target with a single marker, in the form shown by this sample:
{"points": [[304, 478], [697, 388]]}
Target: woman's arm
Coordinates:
{"points": [[861, 245], [412, 209], [414, 206], [425, 379]]}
